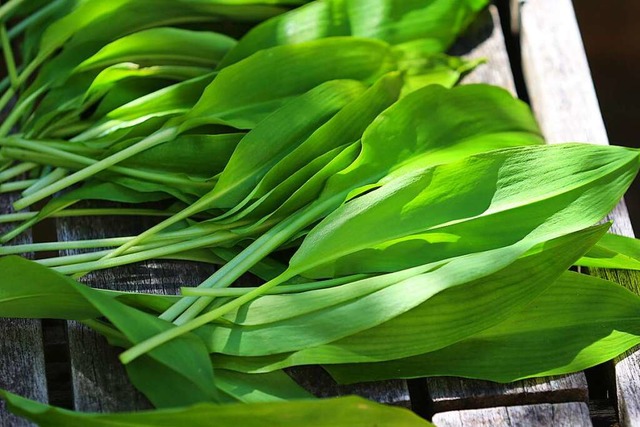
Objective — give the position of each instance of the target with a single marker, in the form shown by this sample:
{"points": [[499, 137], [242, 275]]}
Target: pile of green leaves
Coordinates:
{"points": [[400, 227]]}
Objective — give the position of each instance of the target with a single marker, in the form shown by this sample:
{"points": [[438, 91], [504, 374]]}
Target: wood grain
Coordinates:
{"points": [[565, 103], [22, 365], [447, 393], [557, 415], [316, 380]]}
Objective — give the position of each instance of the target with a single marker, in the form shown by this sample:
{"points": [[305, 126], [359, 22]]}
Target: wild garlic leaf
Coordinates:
{"points": [[446, 303], [437, 23], [353, 411], [578, 322], [485, 201], [186, 359], [613, 251]]}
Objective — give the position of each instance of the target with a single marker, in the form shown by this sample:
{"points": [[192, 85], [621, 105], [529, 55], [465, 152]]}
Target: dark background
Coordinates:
{"points": [[611, 35]]}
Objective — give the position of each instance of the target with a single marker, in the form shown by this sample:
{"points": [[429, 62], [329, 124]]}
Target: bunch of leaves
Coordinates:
{"points": [[325, 131]]}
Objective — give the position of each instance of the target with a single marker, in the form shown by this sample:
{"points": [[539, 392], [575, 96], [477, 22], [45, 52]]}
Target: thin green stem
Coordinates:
{"points": [[187, 309], [23, 216], [35, 18], [167, 179], [60, 246], [16, 170], [157, 138], [282, 289], [48, 179], [9, 187], [9, 59], [17, 111], [7, 9], [216, 239]]}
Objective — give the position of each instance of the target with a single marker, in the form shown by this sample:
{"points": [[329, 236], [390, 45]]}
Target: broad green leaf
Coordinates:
{"points": [[185, 362], [483, 202], [436, 308], [251, 89], [196, 155], [167, 46], [578, 322], [305, 160], [435, 22], [278, 135], [41, 294], [169, 101], [352, 411], [613, 251]]}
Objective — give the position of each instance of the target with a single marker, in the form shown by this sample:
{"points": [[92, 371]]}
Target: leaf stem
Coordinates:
{"points": [[16, 170], [9, 59], [157, 138], [282, 289], [9, 187]]}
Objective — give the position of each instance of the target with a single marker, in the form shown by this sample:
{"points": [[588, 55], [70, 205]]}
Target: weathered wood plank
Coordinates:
{"points": [[557, 415], [22, 365], [565, 102], [99, 380], [317, 380], [484, 40], [453, 393]]}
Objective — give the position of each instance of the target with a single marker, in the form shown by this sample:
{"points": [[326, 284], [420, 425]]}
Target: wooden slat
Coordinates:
{"points": [[22, 366], [317, 381], [557, 415], [99, 380], [453, 393], [565, 102], [449, 394]]}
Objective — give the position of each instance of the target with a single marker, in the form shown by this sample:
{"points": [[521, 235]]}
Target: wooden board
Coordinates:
{"points": [[566, 105], [22, 364], [557, 415], [449, 394]]}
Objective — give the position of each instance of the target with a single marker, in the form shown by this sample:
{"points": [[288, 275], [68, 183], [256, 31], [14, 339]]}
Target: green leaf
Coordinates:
{"points": [[435, 22], [613, 251], [165, 45], [433, 309], [485, 201], [352, 411], [184, 363], [578, 322], [244, 93], [278, 135]]}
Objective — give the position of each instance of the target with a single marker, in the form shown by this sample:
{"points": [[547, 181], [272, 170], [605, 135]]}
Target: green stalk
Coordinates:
{"points": [[48, 179], [222, 237], [9, 60], [188, 308], [154, 139], [7, 9], [22, 216], [87, 161], [282, 289], [60, 246], [16, 170], [17, 111], [65, 260], [35, 18], [9, 187]]}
